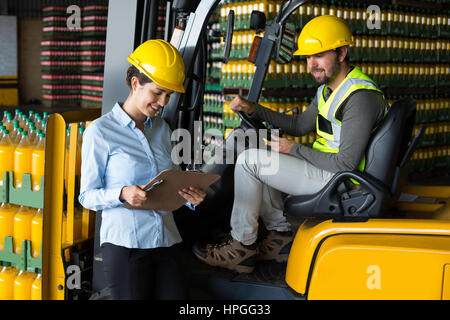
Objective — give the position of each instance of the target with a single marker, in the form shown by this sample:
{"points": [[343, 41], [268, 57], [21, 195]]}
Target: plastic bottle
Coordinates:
{"points": [[22, 227], [6, 156], [38, 163], [7, 212], [36, 288], [36, 234], [23, 120], [17, 114], [15, 132], [22, 285], [7, 277], [37, 121], [9, 123], [44, 125], [36, 139], [5, 116], [31, 115], [22, 159], [33, 136], [16, 140]]}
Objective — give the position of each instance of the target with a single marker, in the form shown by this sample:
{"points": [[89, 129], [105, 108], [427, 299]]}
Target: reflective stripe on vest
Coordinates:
{"points": [[327, 126]]}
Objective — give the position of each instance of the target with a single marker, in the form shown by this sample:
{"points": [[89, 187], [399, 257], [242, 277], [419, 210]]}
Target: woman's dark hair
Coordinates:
{"points": [[134, 72]]}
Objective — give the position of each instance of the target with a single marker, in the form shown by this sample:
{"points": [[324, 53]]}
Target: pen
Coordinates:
{"points": [[157, 183]]}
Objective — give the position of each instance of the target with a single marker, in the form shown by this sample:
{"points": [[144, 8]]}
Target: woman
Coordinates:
{"points": [[122, 151]]}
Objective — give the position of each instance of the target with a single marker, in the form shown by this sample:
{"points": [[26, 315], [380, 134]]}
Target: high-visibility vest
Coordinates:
{"points": [[327, 126]]}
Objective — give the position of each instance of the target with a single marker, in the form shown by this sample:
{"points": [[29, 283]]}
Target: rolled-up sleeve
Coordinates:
{"points": [[94, 158]]}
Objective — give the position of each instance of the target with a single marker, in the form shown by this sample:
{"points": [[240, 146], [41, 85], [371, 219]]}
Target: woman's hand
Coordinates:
{"points": [[193, 195], [134, 195]]}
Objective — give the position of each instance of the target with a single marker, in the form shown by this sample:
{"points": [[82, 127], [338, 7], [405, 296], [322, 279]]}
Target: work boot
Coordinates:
{"points": [[229, 254], [275, 246]]}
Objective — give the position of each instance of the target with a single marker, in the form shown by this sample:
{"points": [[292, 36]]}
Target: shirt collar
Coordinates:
{"points": [[124, 118]]}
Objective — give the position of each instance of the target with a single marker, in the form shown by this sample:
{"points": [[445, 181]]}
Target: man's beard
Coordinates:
{"points": [[335, 69]]}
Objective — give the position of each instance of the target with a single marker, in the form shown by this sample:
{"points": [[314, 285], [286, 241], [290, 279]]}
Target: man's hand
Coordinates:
{"points": [[134, 195], [193, 195], [242, 105], [280, 145]]}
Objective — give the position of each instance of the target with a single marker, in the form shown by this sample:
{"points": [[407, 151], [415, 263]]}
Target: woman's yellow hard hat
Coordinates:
{"points": [[161, 62], [322, 34]]}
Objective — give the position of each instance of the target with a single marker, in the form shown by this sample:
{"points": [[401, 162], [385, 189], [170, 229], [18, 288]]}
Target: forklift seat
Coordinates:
{"points": [[388, 150]]}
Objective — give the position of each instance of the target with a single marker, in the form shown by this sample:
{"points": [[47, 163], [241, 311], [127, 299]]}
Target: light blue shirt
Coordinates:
{"points": [[115, 153]]}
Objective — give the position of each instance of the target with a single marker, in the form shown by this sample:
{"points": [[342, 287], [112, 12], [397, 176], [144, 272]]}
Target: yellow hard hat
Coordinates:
{"points": [[322, 34], [161, 62]]}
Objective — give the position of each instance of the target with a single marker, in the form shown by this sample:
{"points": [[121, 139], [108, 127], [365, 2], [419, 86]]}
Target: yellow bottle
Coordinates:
{"points": [[37, 163], [36, 288], [36, 234], [6, 156], [7, 277], [22, 159], [324, 9], [9, 123], [233, 74], [7, 212], [22, 227], [22, 285]]}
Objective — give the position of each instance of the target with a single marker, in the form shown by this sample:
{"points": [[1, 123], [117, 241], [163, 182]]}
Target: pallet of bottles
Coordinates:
{"points": [[22, 148], [22, 157], [411, 19], [239, 74], [432, 156]]}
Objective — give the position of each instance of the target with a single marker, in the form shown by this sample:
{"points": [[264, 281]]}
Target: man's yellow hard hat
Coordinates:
{"points": [[322, 34], [161, 62]]}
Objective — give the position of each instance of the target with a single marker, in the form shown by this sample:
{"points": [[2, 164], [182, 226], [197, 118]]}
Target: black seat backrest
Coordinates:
{"points": [[389, 142]]}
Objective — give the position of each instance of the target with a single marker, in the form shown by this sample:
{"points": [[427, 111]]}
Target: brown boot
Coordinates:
{"points": [[275, 246], [229, 254]]}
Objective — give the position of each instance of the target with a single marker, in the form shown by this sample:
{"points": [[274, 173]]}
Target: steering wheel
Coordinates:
{"points": [[250, 123]]}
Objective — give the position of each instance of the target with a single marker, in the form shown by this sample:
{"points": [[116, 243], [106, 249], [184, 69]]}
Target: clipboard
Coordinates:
{"points": [[164, 196]]}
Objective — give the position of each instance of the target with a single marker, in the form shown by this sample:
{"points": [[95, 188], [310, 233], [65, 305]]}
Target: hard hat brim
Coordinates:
{"points": [[302, 52], [160, 82]]}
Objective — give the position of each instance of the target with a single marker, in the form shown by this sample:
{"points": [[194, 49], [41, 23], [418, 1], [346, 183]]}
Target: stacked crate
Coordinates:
{"points": [[60, 60], [72, 59], [93, 54]]}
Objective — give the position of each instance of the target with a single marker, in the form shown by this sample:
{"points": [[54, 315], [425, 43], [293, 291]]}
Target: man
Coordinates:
{"points": [[345, 110]]}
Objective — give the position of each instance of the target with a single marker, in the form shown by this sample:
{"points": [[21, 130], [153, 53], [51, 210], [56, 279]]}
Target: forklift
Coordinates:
{"points": [[382, 240]]}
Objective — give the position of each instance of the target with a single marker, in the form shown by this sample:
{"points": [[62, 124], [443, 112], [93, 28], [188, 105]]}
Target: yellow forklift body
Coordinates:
{"points": [[376, 259]]}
